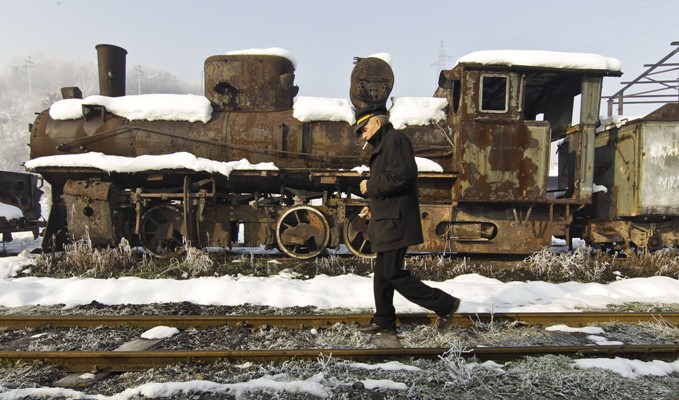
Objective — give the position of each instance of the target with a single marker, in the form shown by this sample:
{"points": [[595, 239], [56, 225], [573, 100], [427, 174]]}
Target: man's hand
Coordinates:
{"points": [[364, 187], [365, 213]]}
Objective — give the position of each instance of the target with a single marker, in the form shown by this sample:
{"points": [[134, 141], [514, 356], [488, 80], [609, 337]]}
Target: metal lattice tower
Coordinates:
{"points": [[659, 86], [443, 57]]}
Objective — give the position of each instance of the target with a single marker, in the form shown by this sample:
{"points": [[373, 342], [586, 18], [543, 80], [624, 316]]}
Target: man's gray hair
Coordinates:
{"points": [[384, 119]]}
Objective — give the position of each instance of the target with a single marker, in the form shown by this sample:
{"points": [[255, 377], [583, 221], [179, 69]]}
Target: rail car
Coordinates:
{"points": [[635, 166], [20, 195], [249, 168]]}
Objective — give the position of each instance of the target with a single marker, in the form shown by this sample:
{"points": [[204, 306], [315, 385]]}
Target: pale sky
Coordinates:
{"points": [[324, 36]]}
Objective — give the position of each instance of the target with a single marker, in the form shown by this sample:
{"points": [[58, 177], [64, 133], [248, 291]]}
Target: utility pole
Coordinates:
{"points": [[29, 65], [140, 73]]}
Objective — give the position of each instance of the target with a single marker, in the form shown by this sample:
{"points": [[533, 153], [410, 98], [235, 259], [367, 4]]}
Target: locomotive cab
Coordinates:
{"points": [[507, 111]]}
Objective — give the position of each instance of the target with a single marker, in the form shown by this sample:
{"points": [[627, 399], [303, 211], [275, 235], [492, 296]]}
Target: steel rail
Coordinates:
{"points": [[322, 321], [119, 361]]}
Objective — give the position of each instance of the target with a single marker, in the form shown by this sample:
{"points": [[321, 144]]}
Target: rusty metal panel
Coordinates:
{"points": [[477, 228], [637, 165], [334, 142], [504, 162], [624, 169], [659, 163], [615, 166], [436, 187], [589, 115], [434, 142], [88, 211]]}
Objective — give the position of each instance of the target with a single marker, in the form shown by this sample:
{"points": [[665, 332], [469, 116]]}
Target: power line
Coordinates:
{"points": [[625, 37], [583, 22]]}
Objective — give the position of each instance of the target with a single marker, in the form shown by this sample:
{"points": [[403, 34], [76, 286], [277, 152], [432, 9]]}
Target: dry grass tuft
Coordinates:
{"points": [[82, 259], [584, 265]]}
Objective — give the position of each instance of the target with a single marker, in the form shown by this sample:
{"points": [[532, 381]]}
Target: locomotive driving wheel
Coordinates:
{"points": [[162, 231], [356, 236], [302, 232]]}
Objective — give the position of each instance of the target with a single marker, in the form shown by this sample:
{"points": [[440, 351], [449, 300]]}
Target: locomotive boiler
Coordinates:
{"points": [[254, 170]]}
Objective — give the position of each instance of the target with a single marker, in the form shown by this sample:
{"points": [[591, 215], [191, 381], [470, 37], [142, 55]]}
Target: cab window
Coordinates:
{"points": [[494, 93]]}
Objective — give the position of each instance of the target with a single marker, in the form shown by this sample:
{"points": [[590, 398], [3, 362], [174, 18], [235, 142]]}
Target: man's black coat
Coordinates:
{"points": [[392, 189]]}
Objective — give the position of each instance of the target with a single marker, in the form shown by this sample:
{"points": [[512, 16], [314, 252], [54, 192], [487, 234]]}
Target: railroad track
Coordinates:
{"points": [[322, 321], [123, 361], [141, 358]]}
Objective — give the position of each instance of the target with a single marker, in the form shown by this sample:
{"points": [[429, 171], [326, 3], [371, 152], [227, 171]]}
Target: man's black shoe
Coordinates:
{"points": [[446, 319], [374, 329]]}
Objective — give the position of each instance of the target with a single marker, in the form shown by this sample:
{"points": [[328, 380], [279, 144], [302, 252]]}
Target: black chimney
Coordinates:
{"points": [[111, 70]]}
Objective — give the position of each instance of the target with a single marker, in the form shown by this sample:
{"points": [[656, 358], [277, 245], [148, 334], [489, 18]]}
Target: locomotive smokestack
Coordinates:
{"points": [[111, 70]]}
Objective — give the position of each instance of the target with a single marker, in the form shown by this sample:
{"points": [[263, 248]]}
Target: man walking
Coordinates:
{"points": [[394, 216]]}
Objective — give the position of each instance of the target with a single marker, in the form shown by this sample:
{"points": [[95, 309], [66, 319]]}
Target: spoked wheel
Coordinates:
{"points": [[302, 232], [356, 237], [163, 231]]}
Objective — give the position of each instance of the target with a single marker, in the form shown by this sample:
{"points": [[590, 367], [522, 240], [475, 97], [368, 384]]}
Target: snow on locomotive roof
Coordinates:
{"points": [[544, 59], [180, 160], [150, 107], [403, 112], [416, 111], [307, 109], [386, 57], [272, 51]]}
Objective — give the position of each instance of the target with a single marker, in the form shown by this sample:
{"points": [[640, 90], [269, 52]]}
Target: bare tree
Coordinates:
{"points": [[48, 74]]}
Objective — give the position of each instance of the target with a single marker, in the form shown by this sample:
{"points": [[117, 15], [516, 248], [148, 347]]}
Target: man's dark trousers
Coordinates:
{"points": [[389, 276]]}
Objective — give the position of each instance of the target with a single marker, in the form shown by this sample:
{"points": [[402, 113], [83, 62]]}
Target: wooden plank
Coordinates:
{"points": [[81, 380]]}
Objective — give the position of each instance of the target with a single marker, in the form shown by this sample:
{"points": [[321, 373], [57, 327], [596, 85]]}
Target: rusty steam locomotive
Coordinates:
{"points": [[494, 194]]}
